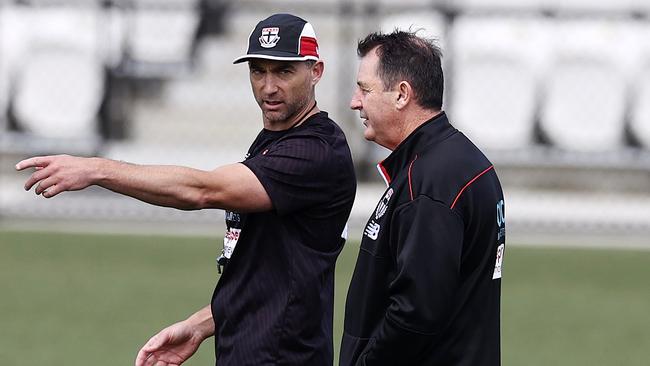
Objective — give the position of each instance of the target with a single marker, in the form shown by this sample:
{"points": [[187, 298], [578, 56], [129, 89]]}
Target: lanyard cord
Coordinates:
{"points": [[304, 117]]}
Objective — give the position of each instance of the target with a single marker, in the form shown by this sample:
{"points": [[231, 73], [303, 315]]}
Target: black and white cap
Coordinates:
{"points": [[282, 37]]}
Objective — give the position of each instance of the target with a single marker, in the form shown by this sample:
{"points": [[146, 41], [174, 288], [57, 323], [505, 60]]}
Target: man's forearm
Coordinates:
{"points": [[161, 185], [202, 322], [231, 187]]}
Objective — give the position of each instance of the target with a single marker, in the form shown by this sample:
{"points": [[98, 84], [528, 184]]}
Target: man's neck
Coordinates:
{"points": [[416, 118]]}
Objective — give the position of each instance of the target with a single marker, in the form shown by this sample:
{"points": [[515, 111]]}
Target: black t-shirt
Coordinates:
{"points": [[274, 302]]}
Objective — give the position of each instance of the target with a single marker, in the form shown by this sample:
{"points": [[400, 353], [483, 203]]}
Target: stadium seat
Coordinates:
{"points": [[640, 116], [59, 93], [585, 88], [58, 75], [112, 32], [494, 70], [6, 45], [639, 82], [162, 33]]}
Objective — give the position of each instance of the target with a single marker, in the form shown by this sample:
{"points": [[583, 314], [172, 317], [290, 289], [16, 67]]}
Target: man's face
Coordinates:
{"points": [[282, 89], [376, 106]]}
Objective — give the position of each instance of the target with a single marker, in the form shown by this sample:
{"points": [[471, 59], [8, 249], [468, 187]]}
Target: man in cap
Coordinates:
{"points": [[287, 205]]}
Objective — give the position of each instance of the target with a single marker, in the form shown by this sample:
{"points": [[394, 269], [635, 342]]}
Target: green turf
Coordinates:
{"points": [[93, 300]]}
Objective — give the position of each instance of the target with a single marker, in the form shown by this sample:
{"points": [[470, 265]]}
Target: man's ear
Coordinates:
{"points": [[317, 72], [404, 94]]}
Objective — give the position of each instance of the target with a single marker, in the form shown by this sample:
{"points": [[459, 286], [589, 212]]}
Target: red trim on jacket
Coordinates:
{"points": [[411, 185], [469, 183], [384, 173]]}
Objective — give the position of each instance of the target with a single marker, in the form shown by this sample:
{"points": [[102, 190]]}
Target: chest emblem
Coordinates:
{"points": [[373, 227], [383, 204]]}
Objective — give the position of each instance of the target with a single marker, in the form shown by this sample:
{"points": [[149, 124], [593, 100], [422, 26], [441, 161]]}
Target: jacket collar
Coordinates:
{"points": [[430, 132]]}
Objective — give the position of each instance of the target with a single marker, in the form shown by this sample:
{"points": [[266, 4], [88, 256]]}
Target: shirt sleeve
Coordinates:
{"points": [[295, 172], [426, 237]]}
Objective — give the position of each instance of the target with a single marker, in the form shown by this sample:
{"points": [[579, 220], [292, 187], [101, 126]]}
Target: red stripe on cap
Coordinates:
{"points": [[469, 183], [308, 46]]}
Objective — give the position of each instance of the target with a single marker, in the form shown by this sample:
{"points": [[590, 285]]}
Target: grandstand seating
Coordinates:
{"points": [[57, 74], [113, 32], [6, 62], [546, 87], [640, 116], [640, 89], [162, 33], [59, 92], [496, 63], [585, 88]]}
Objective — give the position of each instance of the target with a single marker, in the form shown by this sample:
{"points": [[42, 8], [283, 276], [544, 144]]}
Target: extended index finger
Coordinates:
{"points": [[35, 162]]}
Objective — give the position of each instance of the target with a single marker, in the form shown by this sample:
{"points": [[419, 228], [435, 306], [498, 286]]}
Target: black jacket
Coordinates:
{"points": [[427, 284]]}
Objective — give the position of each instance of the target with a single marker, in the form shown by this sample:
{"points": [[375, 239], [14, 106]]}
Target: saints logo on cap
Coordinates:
{"points": [[269, 37]]}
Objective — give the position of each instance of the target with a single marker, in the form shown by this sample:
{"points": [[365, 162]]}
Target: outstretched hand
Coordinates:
{"points": [[56, 174], [171, 347]]}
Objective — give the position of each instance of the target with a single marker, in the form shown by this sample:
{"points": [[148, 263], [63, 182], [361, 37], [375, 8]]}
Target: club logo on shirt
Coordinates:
{"points": [[269, 37], [383, 204], [373, 228]]}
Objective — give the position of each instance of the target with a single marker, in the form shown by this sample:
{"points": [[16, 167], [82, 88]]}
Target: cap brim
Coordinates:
{"points": [[278, 57]]}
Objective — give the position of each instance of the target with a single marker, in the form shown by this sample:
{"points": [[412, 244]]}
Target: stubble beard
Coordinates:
{"points": [[292, 109]]}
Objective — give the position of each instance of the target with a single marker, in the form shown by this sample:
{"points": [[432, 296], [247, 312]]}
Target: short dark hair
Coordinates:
{"points": [[406, 56]]}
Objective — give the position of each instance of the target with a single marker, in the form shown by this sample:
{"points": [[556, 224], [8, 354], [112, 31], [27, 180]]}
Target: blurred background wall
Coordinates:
{"points": [[556, 92]]}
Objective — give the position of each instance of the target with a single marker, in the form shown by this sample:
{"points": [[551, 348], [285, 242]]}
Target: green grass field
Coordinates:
{"points": [[94, 300]]}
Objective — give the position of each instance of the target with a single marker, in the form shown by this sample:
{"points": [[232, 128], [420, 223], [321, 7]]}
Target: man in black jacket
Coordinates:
{"points": [[427, 283]]}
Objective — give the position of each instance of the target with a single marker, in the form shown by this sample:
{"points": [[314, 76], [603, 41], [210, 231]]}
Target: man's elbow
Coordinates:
{"points": [[205, 198]]}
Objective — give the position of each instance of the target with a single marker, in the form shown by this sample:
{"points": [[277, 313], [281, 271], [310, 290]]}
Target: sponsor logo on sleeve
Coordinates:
{"points": [[501, 237], [499, 262], [230, 241]]}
